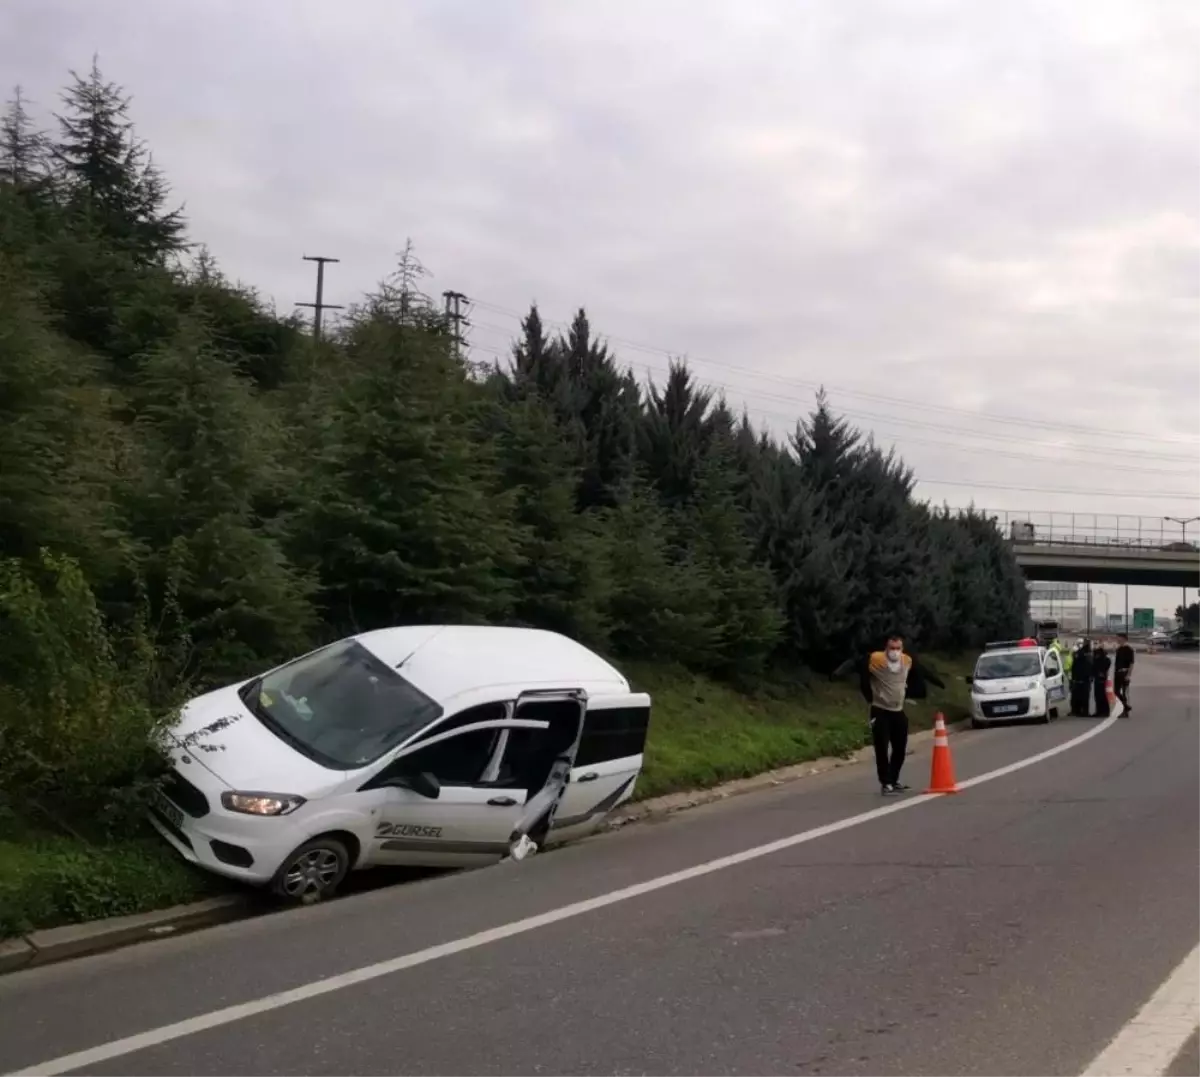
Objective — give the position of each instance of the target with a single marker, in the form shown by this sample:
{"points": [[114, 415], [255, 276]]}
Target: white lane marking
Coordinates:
{"points": [[82, 1060], [1148, 1045]]}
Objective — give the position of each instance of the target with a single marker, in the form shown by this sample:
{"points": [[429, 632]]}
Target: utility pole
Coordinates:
{"points": [[456, 320], [320, 304], [1183, 523]]}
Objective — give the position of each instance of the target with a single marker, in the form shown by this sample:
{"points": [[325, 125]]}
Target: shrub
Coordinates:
{"points": [[77, 720]]}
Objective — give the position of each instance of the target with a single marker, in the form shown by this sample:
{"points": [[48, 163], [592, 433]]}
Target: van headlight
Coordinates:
{"points": [[261, 803]]}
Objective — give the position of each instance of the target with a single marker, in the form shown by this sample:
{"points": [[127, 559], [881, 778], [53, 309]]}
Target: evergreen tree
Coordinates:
{"points": [[208, 448], [560, 582], [606, 403], [24, 149], [403, 516], [111, 179], [675, 435], [660, 606]]}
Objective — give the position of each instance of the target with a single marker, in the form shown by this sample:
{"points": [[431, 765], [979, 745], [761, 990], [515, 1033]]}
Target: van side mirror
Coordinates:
{"points": [[423, 784], [969, 679]]}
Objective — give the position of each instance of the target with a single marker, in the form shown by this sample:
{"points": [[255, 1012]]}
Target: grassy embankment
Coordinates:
{"points": [[702, 733]]}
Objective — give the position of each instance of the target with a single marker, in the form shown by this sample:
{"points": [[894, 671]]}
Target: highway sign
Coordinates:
{"points": [[1143, 620], [1040, 591]]}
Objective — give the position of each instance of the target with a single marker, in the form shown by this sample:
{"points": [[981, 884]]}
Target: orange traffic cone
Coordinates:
{"points": [[942, 777]]}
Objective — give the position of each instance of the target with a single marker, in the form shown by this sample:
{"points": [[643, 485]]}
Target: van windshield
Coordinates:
{"points": [[995, 667], [340, 706]]}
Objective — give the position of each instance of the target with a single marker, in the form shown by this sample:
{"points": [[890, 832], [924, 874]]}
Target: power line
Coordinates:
{"points": [[966, 484], [901, 420], [1148, 494], [1003, 419]]}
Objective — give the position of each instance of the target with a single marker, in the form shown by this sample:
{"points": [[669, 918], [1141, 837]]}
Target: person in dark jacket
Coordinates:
{"points": [[1123, 673], [1081, 681], [1101, 664], [887, 679]]}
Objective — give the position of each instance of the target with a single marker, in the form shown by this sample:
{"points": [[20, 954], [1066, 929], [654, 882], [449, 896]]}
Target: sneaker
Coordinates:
{"points": [[888, 790], [900, 787]]}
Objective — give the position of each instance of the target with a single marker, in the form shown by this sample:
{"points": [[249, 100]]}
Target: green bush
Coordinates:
{"points": [[77, 724], [48, 881]]}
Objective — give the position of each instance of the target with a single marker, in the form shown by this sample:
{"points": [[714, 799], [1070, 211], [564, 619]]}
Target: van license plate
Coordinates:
{"points": [[1008, 708], [173, 815]]}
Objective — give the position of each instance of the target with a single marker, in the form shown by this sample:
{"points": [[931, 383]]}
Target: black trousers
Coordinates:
{"points": [[1121, 687], [1101, 687], [1080, 703], [889, 732]]}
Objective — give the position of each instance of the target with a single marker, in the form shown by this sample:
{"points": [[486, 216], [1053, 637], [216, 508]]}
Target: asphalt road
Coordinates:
{"points": [[1014, 928]]}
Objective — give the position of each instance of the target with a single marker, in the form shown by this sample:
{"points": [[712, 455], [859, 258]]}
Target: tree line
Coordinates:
{"points": [[191, 488]]}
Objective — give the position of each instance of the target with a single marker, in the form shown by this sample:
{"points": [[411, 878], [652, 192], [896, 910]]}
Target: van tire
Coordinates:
{"points": [[311, 872]]}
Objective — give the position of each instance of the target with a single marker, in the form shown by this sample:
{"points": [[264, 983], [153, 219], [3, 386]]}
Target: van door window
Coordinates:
{"points": [[613, 734], [1052, 668], [457, 760]]}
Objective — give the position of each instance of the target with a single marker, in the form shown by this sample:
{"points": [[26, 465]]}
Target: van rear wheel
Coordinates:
{"points": [[311, 872]]}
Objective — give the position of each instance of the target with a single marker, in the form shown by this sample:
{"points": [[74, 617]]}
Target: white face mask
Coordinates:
{"points": [[893, 656]]}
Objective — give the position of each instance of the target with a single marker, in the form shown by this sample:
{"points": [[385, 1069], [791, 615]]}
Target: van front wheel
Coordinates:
{"points": [[311, 872]]}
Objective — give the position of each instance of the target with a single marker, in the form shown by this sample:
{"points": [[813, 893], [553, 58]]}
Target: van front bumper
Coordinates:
{"points": [[226, 844], [1008, 708]]}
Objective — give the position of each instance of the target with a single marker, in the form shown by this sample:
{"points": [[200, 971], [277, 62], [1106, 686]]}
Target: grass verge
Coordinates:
{"points": [[702, 733], [48, 879]]}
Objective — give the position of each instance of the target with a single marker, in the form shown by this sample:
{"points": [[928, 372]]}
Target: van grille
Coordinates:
{"points": [[182, 792]]}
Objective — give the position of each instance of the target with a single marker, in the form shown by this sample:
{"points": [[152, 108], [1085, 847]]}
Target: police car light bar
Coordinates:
{"points": [[1010, 644]]}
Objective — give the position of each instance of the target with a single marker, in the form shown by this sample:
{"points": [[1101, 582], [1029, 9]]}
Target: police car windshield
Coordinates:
{"points": [[995, 667], [340, 706]]}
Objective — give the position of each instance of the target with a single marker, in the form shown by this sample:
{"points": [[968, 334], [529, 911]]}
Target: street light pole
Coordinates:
{"points": [[1184, 525]]}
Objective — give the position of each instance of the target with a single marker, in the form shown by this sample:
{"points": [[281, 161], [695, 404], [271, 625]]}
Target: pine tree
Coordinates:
{"points": [[403, 516], [111, 179], [208, 450], [24, 149], [675, 435], [606, 402], [561, 583]]}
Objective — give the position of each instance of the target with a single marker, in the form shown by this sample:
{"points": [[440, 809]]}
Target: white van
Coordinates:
{"points": [[434, 745], [1016, 679]]}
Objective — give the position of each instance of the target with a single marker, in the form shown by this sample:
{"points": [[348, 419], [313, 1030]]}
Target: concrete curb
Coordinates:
{"points": [[676, 802], [97, 936]]}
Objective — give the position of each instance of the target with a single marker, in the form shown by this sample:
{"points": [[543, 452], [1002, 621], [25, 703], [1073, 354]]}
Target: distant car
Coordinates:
{"points": [[433, 745], [1184, 641], [1017, 679]]}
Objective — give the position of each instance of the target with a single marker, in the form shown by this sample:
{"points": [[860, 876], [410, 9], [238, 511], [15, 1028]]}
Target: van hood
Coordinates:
{"points": [[217, 731]]}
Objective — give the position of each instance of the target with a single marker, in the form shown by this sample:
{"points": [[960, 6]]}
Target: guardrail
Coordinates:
{"points": [[1083, 529]]}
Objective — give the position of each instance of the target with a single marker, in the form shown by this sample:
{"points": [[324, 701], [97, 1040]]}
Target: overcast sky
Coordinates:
{"points": [[987, 209]]}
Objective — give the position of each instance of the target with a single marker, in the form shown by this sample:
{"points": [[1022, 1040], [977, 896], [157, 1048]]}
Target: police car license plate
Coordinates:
{"points": [[1008, 708], [168, 810]]}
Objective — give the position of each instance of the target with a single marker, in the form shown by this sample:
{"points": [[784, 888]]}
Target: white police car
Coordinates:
{"points": [[1017, 679], [432, 745]]}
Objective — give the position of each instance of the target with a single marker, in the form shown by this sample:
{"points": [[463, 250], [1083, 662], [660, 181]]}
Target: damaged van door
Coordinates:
{"points": [[460, 797]]}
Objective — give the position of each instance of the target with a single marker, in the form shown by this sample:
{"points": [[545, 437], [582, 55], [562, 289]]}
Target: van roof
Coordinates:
{"points": [[445, 661]]}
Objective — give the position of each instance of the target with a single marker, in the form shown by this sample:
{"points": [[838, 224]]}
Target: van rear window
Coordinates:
{"points": [[613, 734]]}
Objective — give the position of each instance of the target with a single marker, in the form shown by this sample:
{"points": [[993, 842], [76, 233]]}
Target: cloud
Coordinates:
{"points": [[987, 208]]}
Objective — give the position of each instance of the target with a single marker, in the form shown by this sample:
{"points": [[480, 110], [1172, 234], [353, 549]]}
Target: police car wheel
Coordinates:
{"points": [[311, 872], [976, 723]]}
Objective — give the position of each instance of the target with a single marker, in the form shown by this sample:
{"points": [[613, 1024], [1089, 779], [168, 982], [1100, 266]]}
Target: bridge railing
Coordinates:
{"points": [[1084, 529]]}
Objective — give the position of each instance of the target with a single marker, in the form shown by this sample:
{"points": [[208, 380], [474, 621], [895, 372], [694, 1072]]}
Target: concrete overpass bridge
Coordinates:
{"points": [[1078, 548]]}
